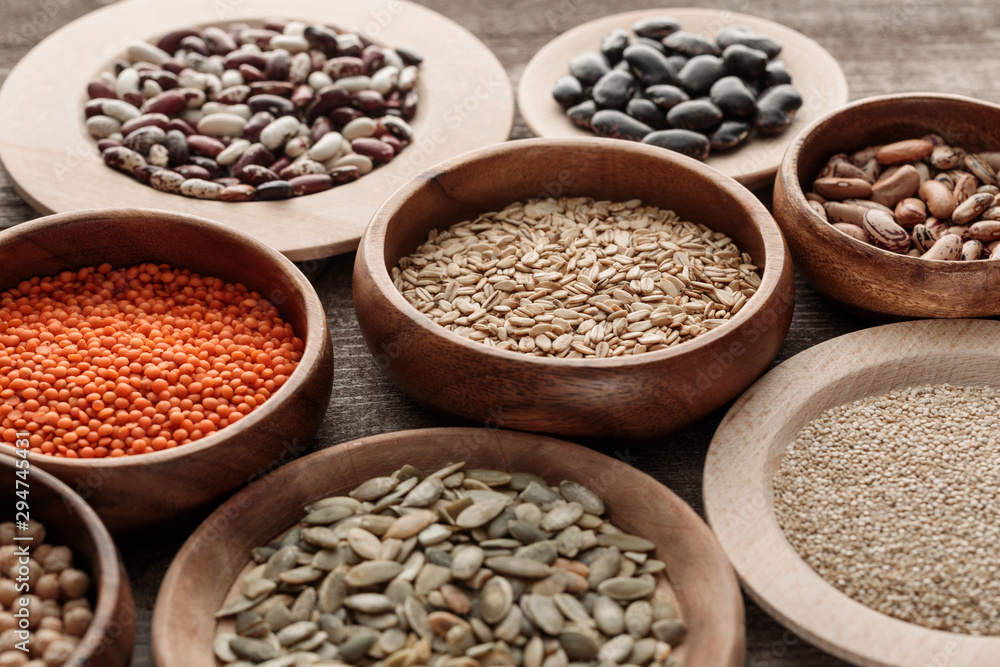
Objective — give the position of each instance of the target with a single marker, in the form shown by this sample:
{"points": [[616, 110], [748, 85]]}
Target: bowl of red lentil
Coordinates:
{"points": [[153, 360], [573, 286]]}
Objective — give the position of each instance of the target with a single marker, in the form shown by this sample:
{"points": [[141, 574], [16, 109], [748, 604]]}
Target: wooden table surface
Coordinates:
{"points": [[884, 46]]}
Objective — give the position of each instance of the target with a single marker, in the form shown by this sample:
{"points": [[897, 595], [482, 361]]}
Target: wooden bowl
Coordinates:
{"points": [[200, 578], [815, 73], [636, 396], [131, 491], [466, 101], [747, 450], [862, 278], [69, 521]]}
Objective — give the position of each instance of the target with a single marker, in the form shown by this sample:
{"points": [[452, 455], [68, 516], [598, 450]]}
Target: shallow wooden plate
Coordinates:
{"points": [[466, 102], [201, 576], [747, 450], [815, 73]]}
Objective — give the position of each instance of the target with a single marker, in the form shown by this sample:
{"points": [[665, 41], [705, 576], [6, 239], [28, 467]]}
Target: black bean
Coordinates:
{"points": [[568, 91], [775, 109], [678, 61], [613, 45], [646, 112], [656, 27], [685, 142], [689, 44], [618, 125], [743, 61], [747, 36], [700, 73], [694, 115], [613, 90], [730, 134], [775, 74], [731, 95], [666, 96], [649, 65], [582, 113], [588, 67], [653, 43]]}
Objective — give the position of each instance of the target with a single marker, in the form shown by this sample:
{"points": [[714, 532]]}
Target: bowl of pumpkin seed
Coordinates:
{"points": [[451, 547]]}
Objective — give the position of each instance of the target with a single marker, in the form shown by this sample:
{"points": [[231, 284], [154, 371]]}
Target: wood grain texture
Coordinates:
{"points": [[640, 396], [814, 72], [884, 46], [134, 491], [201, 577], [747, 450], [54, 164], [860, 276], [69, 521]]}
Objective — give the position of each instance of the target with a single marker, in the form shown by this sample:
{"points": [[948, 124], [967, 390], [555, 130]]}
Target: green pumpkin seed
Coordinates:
{"points": [[515, 566], [625, 542], [374, 488], [578, 493], [496, 599], [479, 514], [626, 588], [372, 572]]}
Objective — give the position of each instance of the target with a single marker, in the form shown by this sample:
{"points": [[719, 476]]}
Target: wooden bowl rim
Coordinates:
{"points": [[788, 173], [775, 251], [313, 309], [753, 177], [680, 511], [739, 509], [112, 580], [457, 64]]}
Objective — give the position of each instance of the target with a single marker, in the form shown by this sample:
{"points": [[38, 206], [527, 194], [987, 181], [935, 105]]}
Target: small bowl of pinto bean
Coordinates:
{"points": [[891, 206], [573, 286], [154, 361]]}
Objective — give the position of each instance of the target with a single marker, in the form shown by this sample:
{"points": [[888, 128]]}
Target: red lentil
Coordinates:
{"points": [[113, 362]]}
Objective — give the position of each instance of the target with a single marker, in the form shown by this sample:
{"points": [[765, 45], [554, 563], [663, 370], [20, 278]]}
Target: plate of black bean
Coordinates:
{"points": [[726, 88]]}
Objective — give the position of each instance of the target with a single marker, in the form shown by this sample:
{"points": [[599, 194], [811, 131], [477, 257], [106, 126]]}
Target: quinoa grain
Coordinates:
{"points": [[895, 501]]}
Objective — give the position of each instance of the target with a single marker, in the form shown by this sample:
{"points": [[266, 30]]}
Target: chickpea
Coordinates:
{"points": [[8, 557], [7, 621], [7, 531], [34, 607], [47, 587], [51, 623], [58, 652], [77, 621], [8, 640], [43, 638], [49, 608], [75, 603], [40, 552], [36, 532], [34, 571], [73, 583], [57, 559], [13, 658], [8, 593]]}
